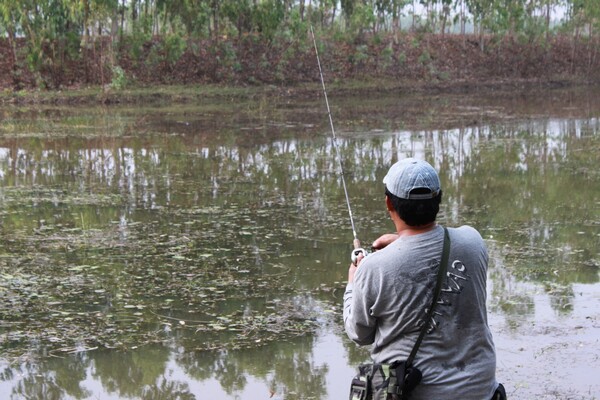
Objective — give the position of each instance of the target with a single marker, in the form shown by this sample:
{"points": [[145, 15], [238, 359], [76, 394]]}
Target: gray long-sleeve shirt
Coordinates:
{"points": [[386, 306]]}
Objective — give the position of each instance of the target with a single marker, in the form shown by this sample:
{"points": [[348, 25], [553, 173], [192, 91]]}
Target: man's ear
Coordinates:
{"points": [[388, 203]]}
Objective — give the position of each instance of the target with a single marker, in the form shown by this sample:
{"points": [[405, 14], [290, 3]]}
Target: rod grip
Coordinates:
{"points": [[356, 243]]}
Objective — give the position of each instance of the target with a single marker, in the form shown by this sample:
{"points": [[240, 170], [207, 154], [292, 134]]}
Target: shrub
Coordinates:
{"points": [[119, 78], [175, 46]]}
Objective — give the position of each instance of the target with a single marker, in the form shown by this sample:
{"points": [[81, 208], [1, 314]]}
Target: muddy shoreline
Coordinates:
{"points": [[176, 94]]}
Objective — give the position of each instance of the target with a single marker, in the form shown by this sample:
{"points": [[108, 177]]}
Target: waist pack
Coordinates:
{"points": [[380, 382], [393, 381]]}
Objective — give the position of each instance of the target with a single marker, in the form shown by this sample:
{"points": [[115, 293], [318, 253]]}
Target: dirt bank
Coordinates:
{"points": [[408, 62]]}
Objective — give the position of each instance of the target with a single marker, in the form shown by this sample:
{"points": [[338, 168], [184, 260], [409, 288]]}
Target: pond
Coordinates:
{"points": [[201, 250]]}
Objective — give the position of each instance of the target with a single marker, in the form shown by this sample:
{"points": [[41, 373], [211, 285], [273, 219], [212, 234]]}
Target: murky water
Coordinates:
{"points": [[200, 251]]}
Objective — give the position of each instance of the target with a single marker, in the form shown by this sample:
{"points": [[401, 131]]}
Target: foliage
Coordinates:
{"points": [[119, 78], [267, 15], [363, 17], [175, 46], [139, 36], [59, 31]]}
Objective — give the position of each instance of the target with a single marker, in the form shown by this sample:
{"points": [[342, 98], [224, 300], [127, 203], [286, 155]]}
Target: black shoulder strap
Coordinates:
{"points": [[438, 287]]}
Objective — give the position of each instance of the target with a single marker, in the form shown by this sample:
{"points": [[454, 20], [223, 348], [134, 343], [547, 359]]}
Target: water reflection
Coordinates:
{"points": [[288, 369], [171, 254]]}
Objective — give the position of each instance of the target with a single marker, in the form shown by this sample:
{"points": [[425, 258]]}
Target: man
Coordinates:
{"points": [[389, 291]]}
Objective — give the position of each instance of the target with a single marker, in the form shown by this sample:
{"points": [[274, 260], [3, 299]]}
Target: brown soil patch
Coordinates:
{"points": [[410, 62]]}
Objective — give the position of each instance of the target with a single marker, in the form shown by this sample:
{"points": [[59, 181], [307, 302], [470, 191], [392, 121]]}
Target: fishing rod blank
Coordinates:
{"points": [[357, 249]]}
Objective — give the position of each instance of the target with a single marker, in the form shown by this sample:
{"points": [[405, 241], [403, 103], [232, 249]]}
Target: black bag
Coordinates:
{"points": [[393, 381], [406, 379]]}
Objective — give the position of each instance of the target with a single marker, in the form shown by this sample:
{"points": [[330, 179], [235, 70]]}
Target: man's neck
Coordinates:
{"points": [[406, 230]]}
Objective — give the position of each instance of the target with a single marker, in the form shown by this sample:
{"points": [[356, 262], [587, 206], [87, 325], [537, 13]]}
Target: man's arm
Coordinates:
{"points": [[359, 324], [384, 240]]}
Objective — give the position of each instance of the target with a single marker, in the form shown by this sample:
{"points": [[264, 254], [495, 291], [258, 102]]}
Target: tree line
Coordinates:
{"points": [[55, 31]]}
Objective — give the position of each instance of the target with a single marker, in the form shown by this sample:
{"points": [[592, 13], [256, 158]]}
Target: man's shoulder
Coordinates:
{"points": [[466, 237], [466, 230]]}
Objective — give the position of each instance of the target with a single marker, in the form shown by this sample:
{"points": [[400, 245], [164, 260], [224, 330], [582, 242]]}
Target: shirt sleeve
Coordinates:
{"points": [[359, 324]]}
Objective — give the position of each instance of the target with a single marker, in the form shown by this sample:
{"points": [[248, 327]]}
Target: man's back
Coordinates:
{"points": [[386, 306]]}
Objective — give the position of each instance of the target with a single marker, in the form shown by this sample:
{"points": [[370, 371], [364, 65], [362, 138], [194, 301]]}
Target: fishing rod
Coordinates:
{"points": [[356, 243]]}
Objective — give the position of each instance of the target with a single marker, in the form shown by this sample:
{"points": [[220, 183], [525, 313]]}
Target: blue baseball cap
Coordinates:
{"points": [[409, 174]]}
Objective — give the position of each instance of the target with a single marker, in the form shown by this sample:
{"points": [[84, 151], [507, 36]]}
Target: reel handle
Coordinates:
{"points": [[357, 251]]}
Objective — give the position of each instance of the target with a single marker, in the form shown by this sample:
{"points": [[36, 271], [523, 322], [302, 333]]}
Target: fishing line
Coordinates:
{"points": [[357, 249]]}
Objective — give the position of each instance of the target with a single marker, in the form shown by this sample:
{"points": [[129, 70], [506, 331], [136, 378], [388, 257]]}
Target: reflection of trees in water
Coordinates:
{"points": [[133, 374], [354, 353], [126, 373], [285, 367], [50, 378], [561, 297], [512, 296], [167, 390], [507, 297]]}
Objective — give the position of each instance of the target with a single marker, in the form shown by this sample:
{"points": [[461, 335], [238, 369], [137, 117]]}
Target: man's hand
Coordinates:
{"points": [[384, 240], [378, 244], [354, 267]]}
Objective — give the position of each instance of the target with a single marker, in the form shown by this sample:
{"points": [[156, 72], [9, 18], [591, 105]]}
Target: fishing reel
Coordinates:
{"points": [[356, 253]]}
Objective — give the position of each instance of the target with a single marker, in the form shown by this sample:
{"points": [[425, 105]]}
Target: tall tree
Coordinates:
{"points": [[267, 17], [194, 14], [348, 7], [239, 13], [9, 17]]}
